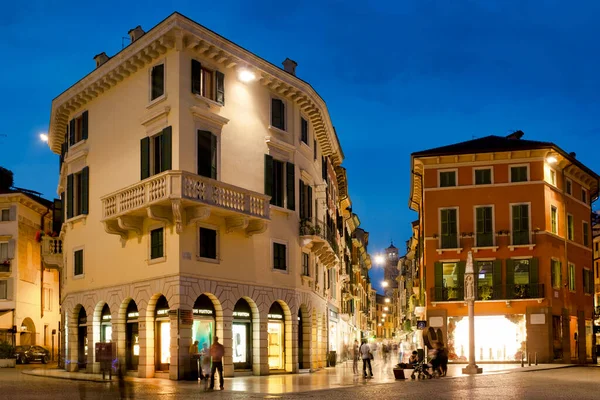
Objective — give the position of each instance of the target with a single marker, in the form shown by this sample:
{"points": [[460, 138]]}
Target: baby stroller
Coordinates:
{"points": [[421, 371]]}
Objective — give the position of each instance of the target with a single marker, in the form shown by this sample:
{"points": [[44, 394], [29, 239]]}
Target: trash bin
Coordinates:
{"points": [[332, 358]]}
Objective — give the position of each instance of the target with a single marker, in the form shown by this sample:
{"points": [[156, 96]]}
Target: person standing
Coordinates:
{"points": [[366, 355], [355, 356], [194, 356], [216, 352]]}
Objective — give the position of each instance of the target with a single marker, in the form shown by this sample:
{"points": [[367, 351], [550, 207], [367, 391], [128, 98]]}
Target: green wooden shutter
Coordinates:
{"points": [[309, 202], [315, 149], [220, 84], [204, 154], [85, 190], [196, 71], [480, 220], [167, 149], [70, 197], [269, 176], [497, 279], [438, 280], [84, 125], [461, 279], [291, 186], [72, 132], [301, 199], [510, 277], [57, 215], [145, 158], [63, 214], [213, 156]]}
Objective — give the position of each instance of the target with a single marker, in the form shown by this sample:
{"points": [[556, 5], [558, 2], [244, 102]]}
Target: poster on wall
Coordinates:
{"points": [[239, 343]]}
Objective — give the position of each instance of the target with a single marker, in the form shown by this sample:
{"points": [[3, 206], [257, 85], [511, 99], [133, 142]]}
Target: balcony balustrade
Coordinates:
{"points": [[52, 252], [485, 292], [321, 240], [183, 198]]}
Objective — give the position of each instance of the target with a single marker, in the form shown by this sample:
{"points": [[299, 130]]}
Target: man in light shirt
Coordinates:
{"points": [[365, 354]]}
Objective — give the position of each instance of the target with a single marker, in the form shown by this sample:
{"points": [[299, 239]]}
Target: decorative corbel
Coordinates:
{"points": [[160, 213], [236, 223], [196, 213], [113, 228], [130, 223], [177, 219], [256, 226]]}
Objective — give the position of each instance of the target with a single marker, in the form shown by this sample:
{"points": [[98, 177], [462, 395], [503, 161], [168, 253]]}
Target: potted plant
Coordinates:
{"points": [[7, 355], [485, 292]]}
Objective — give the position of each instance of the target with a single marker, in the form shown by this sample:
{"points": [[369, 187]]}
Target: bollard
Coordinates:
{"points": [[529, 359], [536, 358], [522, 359]]}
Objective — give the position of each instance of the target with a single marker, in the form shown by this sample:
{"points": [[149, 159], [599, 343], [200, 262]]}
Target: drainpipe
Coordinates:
{"points": [[421, 239], [42, 265], [566, 219]]}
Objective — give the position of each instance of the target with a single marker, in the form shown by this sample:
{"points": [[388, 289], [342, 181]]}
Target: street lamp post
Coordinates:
{"points": [[472, 368]]}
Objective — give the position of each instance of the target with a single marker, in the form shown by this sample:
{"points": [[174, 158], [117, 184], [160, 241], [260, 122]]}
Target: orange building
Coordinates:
{"points": [[523, 208]]}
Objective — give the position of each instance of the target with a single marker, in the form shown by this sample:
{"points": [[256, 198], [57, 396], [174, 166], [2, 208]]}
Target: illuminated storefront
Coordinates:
{"points": [[203, 329], [276, 332], [497, 338], [82, 341], [162, 334], [333, 333], [132, 337], [106, 325], [242, 336]]}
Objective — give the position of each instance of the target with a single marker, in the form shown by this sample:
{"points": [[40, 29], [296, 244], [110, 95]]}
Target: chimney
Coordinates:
{"points": [[573, 154], [101, 59], [517, 135], [136, 33], [289, 66], [6, 179]]}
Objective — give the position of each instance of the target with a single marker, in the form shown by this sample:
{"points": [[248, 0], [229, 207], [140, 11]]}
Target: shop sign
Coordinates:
{"points": [[241, 314], [199, 311], [538, 319], [106, 317], [133, 314], [275, 316], [162, 312]]}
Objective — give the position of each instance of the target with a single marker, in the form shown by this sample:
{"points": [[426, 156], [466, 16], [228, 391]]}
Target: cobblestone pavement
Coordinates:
{"points": [[565, 383]]}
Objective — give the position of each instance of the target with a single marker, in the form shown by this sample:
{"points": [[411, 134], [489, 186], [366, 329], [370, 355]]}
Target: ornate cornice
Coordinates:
{"points": [[179, 33]]}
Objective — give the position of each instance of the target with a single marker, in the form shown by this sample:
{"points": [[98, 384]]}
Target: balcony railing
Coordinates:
{"points": [[52, 251], [324, 235], [520, 237], [449, 241], [485, 292], [485, 239], [185, 185]]}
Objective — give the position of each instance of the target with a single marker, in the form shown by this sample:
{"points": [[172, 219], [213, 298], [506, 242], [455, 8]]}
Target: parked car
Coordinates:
{"points": [[26, 354]]}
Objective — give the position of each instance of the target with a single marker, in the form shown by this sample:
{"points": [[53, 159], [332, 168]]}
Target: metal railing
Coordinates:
{"points": [[489, 292]]}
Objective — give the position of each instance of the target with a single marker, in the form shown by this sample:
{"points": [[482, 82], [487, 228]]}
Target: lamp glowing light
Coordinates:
{"points": [[379, 260], [383, 315], [246, 75], [387, 300], [384, 284], [386, 308], [379, 324], [44, 137], [551, 160]]}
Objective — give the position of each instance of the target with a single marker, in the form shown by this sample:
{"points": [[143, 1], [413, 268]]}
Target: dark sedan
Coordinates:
{"points": [[26, 354]]}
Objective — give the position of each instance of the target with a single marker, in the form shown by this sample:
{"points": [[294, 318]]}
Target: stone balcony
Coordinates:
{"points": [[321, 241], [52, 252], [183, 198]]}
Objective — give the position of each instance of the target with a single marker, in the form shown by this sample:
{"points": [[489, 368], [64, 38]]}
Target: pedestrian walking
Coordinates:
{"points": [[216, 352], [205, 365], [194, 359], [355, 356], [367, 356]]}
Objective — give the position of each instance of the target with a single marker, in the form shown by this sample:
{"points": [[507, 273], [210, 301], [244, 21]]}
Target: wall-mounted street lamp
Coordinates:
{"points": [[551, 159], [245, 75], [44, 137]]}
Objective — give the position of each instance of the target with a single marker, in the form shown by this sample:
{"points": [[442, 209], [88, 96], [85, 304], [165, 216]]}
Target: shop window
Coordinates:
{"points": [[157, 81], [556, 273], [208, 243], [448, 281], [519, 174], [157, 243], [449, 228], [447, 178], [483, 176], [280, 256], [78, 262], [520, 224], [484, 227], [554, 220], [488, 277]]}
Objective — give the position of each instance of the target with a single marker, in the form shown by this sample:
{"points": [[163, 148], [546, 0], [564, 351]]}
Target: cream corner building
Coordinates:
{"points": [[203, 197]]}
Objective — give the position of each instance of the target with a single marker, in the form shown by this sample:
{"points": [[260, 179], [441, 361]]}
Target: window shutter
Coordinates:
{"points": [[269, 176], [85, 190], [213, 156], [158, 81], [145, 158], [438, 280], [11, 249], [204, 154], [497, 279], [291, 186], [84, 125], [275, 113], [70, 196], [302, 199], [196, 71], [166, 149], [72, 132], [510, 277], [57, 215], [62, 214], [220, 83], [480, 220], [461, 279], [309, 202], [9, 289], [315, 149], [12, 213]]}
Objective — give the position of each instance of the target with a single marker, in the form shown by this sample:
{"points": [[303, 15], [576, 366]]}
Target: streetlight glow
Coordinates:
{"points": [[384, 284], [379, 260], [386, 308], [246, 75], [44, 137], [387, 300], [551, 160]]}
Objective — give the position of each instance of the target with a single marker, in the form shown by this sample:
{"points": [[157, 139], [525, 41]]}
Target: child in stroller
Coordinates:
{"points": [[421, 371]]}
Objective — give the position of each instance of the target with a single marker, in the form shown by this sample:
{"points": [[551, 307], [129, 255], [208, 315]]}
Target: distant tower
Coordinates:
{"points": [[391, 266]]}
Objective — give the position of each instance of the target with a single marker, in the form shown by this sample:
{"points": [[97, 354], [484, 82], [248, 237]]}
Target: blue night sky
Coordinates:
{"points": [[397, 77]]}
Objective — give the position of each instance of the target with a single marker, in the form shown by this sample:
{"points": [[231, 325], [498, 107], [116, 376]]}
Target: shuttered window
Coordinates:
{"points": [[207, 154], [78, 129], [208, 243], [447, 178], [280, 182], [586, 234], [156, 153], [483, 176], [4, 214], [157, 81], [518, 174], [570, 228], [304, 130], [3, 289], [279, 256], [520, 224], [305, 201], [157, 243], [484, 226], [571, 277], [588, 281], [554, 220], [78, 188], [449, 234], [78, 262], [556, 273], [278, 114], [208, 83]]}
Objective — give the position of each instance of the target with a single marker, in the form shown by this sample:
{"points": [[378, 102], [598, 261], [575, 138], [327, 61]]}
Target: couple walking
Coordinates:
{"points": [[363, 352], [216, 352]]}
